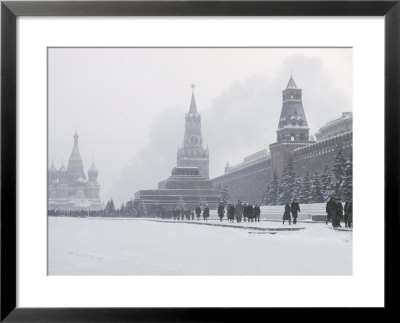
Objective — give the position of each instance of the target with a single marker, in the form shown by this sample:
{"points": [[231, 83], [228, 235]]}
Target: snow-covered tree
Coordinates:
{"points": [[122, 210], [286, 190], [297, 188], [316, 189], [325, 177], [305, 193], [271, 196], [346, 187], [337, 172], [223, 194], [130, 209], [110, 207], [265, 199]]}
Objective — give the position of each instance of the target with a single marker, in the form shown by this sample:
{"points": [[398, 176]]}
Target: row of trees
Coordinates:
{"points": [[128, 209], [335, 180]]}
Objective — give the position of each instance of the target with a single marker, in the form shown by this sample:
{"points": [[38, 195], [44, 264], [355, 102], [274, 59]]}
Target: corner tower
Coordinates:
{"points": [[293, 130], [192, 153], [292, 123]]}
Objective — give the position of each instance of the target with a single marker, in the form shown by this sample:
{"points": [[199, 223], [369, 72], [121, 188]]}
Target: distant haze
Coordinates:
{"points": [[128, 105]]}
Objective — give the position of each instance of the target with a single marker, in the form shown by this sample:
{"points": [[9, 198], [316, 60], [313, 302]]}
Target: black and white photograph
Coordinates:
{"points": [[200, 161]]}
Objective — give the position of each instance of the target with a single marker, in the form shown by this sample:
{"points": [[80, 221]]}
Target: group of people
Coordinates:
{"points": [[75, 213], [291, 210], [240, 211], [335, 210], [245, 211], [189, 214]]}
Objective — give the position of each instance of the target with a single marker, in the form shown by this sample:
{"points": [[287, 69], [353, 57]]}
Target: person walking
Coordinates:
{"points": [[295, 208], [330, 209], [206, 213], [231, 213], [250, 212], [339, 213], [286, 214], [348, 213], [198, 212], [221, 211], [257, 213], [245, 215], [187, 214], [239, 211], [192, 214]]}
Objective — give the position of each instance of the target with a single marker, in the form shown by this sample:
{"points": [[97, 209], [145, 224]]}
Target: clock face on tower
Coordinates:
{"points": [[194, 140]]}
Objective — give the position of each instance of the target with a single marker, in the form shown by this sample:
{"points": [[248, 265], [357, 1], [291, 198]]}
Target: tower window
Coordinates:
{"points": [[292, 137]]}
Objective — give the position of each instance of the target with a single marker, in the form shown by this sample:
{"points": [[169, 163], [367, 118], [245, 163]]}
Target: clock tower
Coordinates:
{"points": [[192, 153]]}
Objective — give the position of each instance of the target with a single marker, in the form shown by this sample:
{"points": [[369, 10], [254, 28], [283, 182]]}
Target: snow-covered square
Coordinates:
{"points": [[122, 246], [162, 153]]}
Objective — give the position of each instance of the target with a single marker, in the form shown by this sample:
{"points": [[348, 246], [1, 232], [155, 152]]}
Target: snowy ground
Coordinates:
{"points": [[101, 246]]}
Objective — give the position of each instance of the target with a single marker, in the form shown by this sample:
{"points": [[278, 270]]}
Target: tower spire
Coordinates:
{"points": [[75, 154], [75, 165], [193, 107], [291, 84]]}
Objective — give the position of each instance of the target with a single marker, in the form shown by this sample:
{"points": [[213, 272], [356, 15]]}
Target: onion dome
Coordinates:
{"points": [[93, 170], [62, 168], [52, 169]]}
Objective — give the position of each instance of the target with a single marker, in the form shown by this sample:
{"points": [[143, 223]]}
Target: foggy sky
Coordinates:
{"points": [[128, 105]]}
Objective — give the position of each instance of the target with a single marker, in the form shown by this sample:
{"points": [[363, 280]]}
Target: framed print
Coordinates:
{"points": [[161, 160]]}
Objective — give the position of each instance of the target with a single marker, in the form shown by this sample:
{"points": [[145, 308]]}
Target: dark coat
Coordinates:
{"points": [[348, 208], [239, 210], [339, 209], [245, 211], [331, 208], [198, 211], [250, 211], [231, 212], [295, 208], [286, 215], [221, 210], [206, 212], [257, 211]]}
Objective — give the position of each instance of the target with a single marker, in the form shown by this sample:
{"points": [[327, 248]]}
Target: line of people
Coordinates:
{"points": [[189, 214], [334, 210], [245, 211], [240, 211]]}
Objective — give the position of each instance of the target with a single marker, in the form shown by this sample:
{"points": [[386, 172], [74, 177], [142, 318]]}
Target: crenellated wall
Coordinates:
{"points": [[316, 156], [248, 183]]}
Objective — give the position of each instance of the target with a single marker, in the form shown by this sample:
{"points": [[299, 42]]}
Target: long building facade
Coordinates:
{"points": [[247, 181], [69, 188]]}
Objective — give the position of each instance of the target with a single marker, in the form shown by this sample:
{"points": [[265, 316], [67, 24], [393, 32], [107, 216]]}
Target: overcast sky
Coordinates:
{"points": [[128, 105]]}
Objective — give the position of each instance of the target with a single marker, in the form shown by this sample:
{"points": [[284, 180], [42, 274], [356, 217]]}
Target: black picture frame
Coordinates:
{"points": [[10, 10]]}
